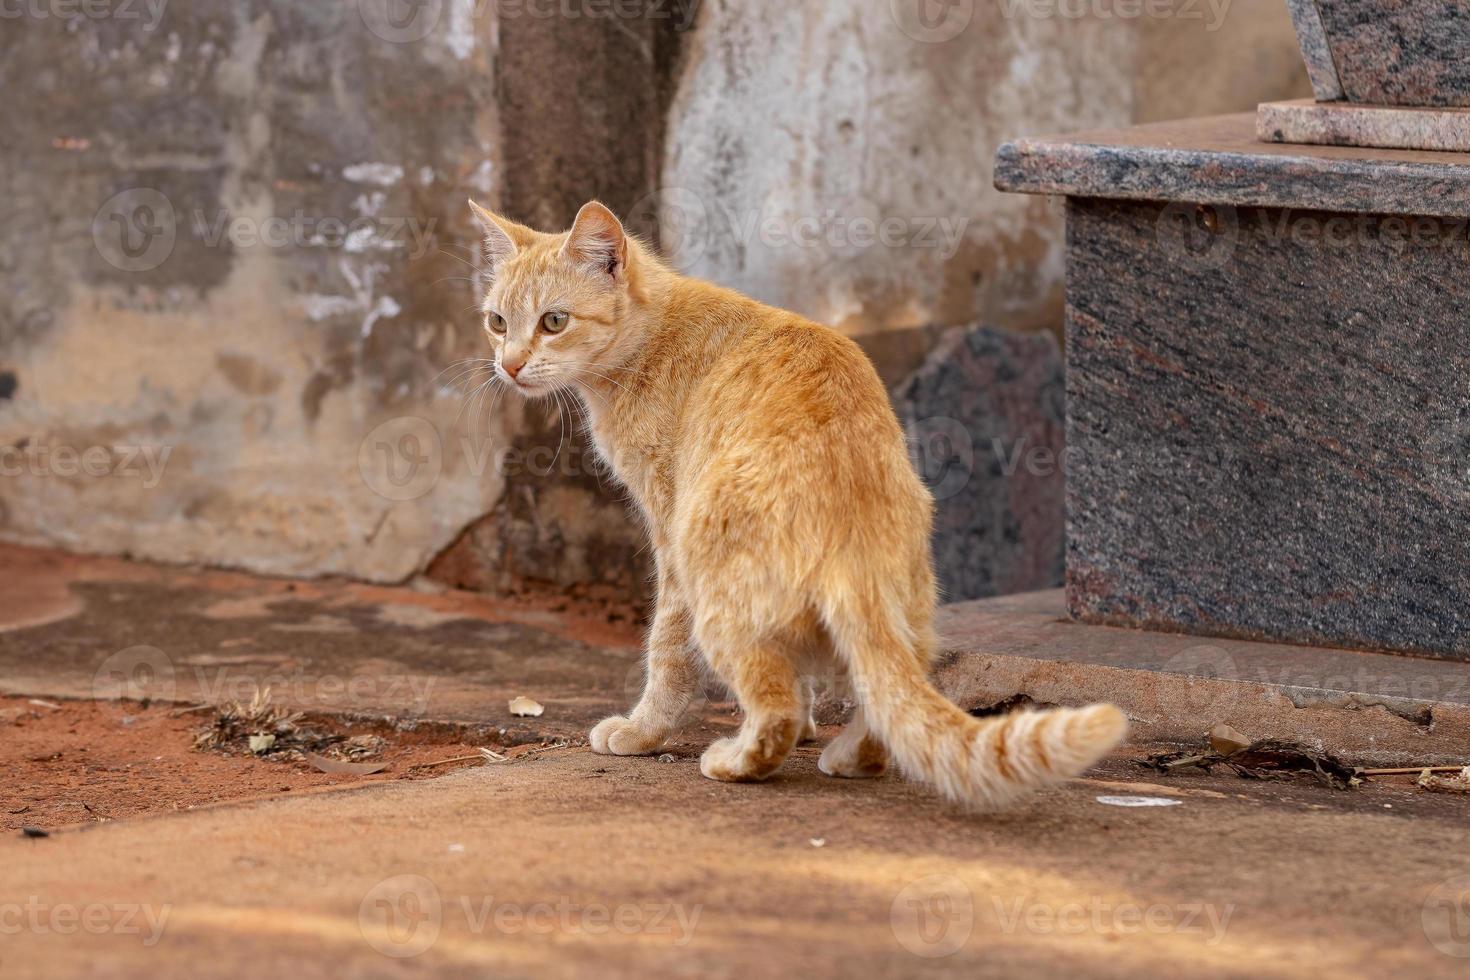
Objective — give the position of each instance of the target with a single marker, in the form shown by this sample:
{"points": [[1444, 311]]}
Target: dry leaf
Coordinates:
{"points": [[526, 708], [343, 768], [261, 743], [1227, 741]]}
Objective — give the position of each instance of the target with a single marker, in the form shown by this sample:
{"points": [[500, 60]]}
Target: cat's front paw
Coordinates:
{"points": [[620, 736]]}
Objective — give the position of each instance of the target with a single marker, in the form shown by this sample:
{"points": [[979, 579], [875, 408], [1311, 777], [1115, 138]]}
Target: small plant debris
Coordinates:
{"points": [[1458, 783], [270, 731], [1262, 759]]}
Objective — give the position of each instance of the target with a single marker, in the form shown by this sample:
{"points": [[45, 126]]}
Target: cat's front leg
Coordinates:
{"points": [[671, 684]]}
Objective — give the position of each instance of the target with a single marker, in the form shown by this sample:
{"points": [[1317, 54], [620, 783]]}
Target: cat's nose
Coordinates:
{"points": [[512, 368]]}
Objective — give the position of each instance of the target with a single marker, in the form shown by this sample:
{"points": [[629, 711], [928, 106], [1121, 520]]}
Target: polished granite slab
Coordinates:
{"points": [[1220, 160]]}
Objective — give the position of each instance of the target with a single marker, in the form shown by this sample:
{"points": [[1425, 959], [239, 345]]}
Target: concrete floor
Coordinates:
{"points": [[566, 864]]}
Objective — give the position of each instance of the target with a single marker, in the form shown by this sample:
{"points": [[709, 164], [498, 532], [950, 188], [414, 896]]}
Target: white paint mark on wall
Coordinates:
{"points": [[461, 35], [319, 307], [382, 174], [483, 179], [368, 240]]}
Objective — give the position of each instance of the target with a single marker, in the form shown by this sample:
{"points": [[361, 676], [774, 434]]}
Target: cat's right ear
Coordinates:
{"points": [[498, 245]]}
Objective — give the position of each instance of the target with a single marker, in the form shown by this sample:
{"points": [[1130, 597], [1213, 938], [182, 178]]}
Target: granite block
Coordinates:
{"points": [[985, 417], [1400, 52], [1317, 53], [1221, 161], [1269, 424], [1349, 124]]}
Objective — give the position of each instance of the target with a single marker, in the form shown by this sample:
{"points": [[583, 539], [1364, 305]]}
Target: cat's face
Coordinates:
{"points": [[556, 304]]}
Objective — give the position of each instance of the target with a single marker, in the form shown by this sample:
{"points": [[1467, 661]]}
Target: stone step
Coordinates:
{"points": [[1369, 708], [1268, 413]]}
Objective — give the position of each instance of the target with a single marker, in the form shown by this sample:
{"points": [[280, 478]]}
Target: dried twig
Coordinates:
{"points": [[484, 755], [1409, 771]]}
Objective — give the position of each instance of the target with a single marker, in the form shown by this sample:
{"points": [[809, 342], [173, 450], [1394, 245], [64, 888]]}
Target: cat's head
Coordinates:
{"points": [[559, 309]]}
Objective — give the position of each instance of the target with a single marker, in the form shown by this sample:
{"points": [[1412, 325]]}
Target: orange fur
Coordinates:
{"points": [[790, 531]]}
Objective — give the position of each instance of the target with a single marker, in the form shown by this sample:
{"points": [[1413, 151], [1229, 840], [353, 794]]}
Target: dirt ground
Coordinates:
{"points": [[76, 762]]}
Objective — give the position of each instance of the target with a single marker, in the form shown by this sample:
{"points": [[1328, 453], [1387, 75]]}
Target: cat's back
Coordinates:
{"points": [[779, 375]]}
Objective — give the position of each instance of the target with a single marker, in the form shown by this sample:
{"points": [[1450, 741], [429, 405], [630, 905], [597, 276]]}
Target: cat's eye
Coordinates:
{"points": [[495, 322], [554, 322]]}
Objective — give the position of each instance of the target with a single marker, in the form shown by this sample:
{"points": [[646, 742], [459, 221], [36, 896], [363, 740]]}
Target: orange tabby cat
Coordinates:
{"points": [[790, 531]]}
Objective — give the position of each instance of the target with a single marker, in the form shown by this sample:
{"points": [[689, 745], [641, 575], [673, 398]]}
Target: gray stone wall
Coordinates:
{"points": [[237, 260]]}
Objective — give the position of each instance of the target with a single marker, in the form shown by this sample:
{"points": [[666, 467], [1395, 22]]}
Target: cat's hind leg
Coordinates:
{"points": [[764, 680], [856, 753], [808, 691]]}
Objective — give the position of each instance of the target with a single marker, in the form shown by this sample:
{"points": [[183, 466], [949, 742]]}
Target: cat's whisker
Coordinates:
{"points": [[460, 258], [463, 370], [492, 380], [562, 413], [471, 370], [461, 362]]}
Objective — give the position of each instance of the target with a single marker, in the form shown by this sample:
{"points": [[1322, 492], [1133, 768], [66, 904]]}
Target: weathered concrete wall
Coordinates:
{"points": [[222, 239], [236, 258], [798, 127]]}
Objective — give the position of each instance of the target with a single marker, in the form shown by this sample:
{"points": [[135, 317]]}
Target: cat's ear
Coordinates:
{"points": [[597, 239], [499, 244]]}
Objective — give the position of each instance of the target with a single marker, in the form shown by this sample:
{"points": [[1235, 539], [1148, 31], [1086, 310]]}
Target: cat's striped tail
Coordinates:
{"points": [[981, 762]]}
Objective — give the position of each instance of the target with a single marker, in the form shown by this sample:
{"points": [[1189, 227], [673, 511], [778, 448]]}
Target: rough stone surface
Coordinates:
{"points": [[1400, 52], [107, 629], [1374, 709], [1346, 124], [1221, 161], [985, 417], [1268, 424], [567, 865], [797, 128], [1317, 53], [564, 864]]}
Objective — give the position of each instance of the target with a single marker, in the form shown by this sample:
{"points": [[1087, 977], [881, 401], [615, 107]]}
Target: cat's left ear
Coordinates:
{"points": [[597, 239]]}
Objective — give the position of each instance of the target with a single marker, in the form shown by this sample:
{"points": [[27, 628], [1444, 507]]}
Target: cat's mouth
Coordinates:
{"points": [[525, 387]]}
